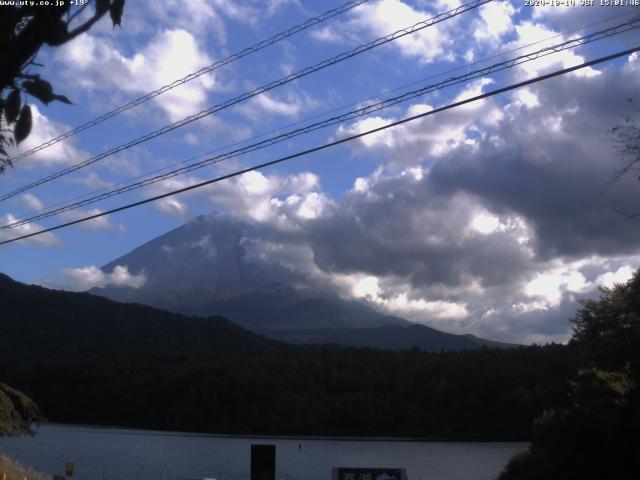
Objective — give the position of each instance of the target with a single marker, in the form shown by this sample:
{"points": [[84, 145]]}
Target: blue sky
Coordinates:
{"points": [[486, 219]]}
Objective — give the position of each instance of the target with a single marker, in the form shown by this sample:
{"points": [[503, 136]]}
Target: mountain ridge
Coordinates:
{"points": [[60, 324], [38, 322], [209, 266]]}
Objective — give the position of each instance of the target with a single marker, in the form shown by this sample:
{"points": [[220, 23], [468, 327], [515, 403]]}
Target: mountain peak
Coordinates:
{"points": [[219, 265], [4, 278]]}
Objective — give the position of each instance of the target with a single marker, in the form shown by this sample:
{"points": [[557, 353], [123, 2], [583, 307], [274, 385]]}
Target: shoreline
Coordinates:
{"points": [[308, 437]]}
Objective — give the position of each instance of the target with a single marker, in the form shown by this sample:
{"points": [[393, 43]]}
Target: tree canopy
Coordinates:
{"points": [[24, 29], [17, 412], [598, 435]]}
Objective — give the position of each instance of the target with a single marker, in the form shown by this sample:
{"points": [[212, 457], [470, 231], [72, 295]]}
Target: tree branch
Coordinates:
{"points": [[81, 29]]}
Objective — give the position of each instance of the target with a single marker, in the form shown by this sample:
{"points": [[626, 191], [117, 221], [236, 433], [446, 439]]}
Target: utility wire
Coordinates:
{"points": [[497, 67], [93, 194], [245, 96], [312, 117], [203, 71], [327, 112], [318, 115], [331, 144]]}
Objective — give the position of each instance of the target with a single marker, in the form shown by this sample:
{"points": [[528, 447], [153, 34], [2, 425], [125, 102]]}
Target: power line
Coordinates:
{"points": [[245, 96], [497, 67], [78, 198], [634, 24], [203, 71], [332, 144]]}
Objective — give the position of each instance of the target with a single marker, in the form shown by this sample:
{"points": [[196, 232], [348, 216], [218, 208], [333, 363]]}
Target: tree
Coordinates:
{"points": [[17, 412], [606, 332], [24, 29], [597, 435]]}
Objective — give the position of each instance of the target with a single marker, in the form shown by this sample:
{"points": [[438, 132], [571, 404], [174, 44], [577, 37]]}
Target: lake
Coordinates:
{"points": [[118, 453]]}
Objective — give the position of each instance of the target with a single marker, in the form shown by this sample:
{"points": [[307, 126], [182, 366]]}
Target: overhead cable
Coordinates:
{"points": [[366, 110], [245, 96], [330, 144], [192, 76]]}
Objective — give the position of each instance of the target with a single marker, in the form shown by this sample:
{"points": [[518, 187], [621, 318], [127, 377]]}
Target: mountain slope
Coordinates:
{"points": [[214, 265], [208, 267], [267, 312], [40, 323], [388, 337], [200, 262]]}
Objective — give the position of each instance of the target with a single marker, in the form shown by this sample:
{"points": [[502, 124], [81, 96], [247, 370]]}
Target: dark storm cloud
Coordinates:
{"points": [[400, 227], [547, 165], [555, 176]]}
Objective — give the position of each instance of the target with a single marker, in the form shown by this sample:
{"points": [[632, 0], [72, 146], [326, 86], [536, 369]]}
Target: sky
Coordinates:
{"points": [[494, 218]]}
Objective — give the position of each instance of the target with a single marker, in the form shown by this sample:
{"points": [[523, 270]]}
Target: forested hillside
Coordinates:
{"points": [[484, 394], [90, 360], [38, 323]]}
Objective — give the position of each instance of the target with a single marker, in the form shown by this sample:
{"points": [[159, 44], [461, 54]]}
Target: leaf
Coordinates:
{"points": [[116, 11], [102, 6], [41, 89], [12, 107], [63, 99], [23, 127], [54, 31]]}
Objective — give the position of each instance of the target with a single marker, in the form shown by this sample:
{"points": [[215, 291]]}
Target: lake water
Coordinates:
{"points": [[116, 453]]}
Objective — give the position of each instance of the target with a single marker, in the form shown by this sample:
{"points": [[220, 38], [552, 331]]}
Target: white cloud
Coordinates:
{"points": [[44, 129], [85, 278], [495, 21], [485, 223], [369, 288], [326, 34], [33, 202], [99, 223], [526, 98], [620, 276], [241, 12], [267, 198], [530, 32], [291, 105], [45, 240], [310, 205], [197, 16], [173, 207], [377, 19], [90, 180], [169, 55], [431, 136]]}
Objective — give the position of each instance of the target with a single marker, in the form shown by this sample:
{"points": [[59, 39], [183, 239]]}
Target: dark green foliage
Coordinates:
{"points": [[598, 434], [597, 437], [12, 106], [484, 394], [43, 91], [607, 331], [17, 412], [24, 29], [23, 125], [38, 323], [86, 359], [116, 11]]}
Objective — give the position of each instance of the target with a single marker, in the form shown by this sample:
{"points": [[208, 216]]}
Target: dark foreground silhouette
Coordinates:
{"points": [[86, 359], [597, 434]]}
